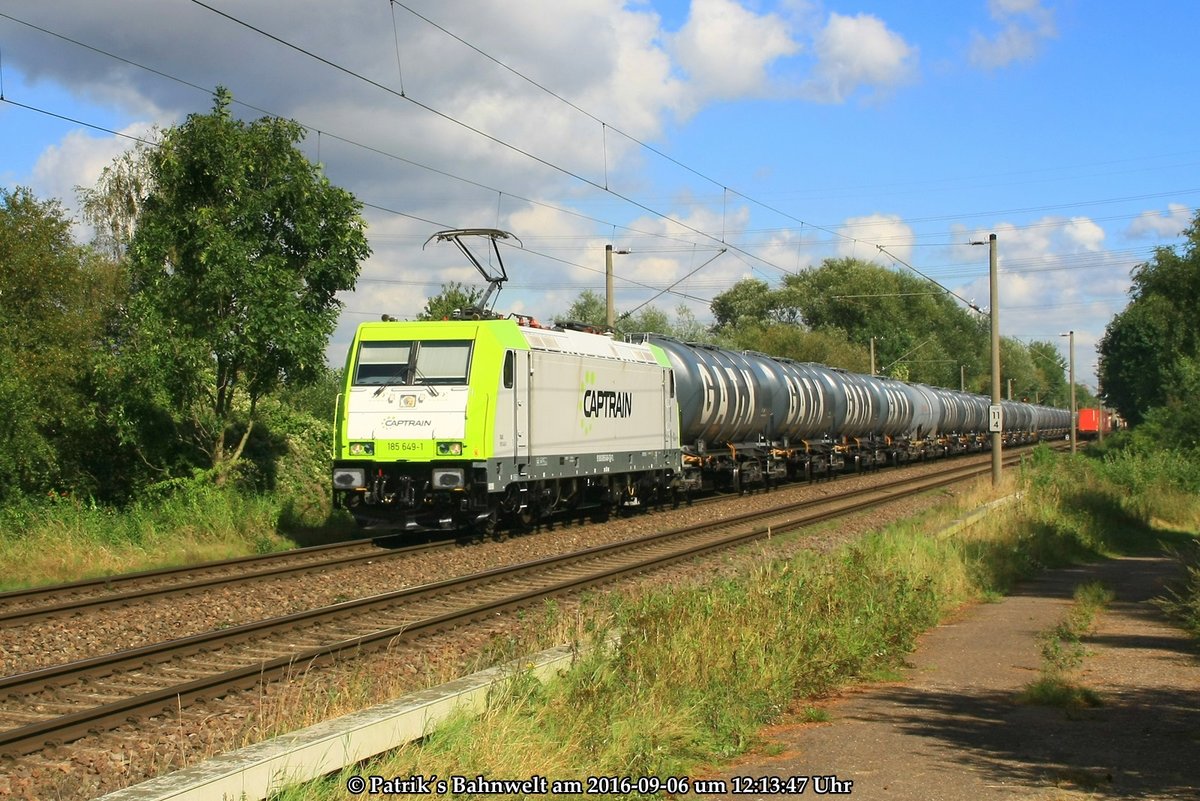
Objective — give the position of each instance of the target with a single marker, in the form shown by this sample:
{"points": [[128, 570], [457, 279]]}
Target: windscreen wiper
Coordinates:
{"points": [[394, 378]]}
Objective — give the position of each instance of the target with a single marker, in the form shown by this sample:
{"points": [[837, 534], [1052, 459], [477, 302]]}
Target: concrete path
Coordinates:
{"points": [[953, 730]]}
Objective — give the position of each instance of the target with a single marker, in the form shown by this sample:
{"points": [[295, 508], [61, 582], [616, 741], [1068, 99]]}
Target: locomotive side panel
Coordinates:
{"points": [[582, 405]]}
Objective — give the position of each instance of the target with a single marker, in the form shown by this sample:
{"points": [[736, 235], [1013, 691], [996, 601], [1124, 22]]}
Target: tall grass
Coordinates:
{"points": [[1159, 486], [280, 499], [698, 670], [1182, 601], [63, 539]]}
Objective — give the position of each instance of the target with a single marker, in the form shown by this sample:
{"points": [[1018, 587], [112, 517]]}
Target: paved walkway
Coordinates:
{"points": [[952, 730]]}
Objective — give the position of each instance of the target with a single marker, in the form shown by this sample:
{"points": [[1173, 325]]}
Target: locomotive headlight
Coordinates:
{"points": [[362, 448], [349, 477], [449, 449], [448, 478]]}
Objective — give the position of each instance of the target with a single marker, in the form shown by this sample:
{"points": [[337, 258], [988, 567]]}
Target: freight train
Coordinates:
{"points": [[468, 422], [460, 424]]}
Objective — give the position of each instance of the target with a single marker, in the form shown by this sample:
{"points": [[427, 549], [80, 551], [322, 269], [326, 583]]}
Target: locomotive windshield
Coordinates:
{"points": [[441, 363]]}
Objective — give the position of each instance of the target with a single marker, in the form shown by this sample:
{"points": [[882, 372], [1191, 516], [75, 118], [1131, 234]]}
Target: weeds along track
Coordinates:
{"points": [[62, 600], [23, 606], [62, 703]]}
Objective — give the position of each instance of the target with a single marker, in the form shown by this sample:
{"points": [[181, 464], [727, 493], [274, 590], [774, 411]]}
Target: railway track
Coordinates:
{"points": [[24, 606], [65, 702], [62, 600]]}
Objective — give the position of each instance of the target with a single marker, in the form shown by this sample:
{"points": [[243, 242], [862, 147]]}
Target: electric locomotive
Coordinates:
{"points": [[452, 424]]}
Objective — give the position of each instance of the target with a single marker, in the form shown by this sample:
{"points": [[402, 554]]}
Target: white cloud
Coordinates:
{"points": [[1157, 224], [1084, 233], [1055, 275], [1024, 26], [858, 52], [867, 232], [77, 160], [726, 49]]}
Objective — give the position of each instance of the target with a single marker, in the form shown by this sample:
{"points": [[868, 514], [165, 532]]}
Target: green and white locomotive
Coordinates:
{"points": [[457, 424], [453, 424]]}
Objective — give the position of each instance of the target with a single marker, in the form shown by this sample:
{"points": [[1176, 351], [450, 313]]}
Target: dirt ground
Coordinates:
{"points": [[953, 730]]}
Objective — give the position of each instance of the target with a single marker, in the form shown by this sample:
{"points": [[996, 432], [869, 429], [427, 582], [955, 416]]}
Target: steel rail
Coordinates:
{"points": [[704, 538], [109, 586], [26, 614]]}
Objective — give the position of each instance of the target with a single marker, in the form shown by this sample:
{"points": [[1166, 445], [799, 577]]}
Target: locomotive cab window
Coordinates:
{"points": [[443, 363], [510, 369], [382, 363]]}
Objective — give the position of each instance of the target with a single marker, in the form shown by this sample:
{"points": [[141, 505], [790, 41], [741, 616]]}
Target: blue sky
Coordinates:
{"points": [[795, 131]]}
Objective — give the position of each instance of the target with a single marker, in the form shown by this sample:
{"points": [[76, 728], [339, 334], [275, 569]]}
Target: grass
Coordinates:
{"points": [[1182, 600], [65, 539], [1063, 653], [282, 501], [699, 670]]}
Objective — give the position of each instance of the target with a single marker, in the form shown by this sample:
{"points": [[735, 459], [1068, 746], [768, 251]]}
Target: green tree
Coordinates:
{"points": [[55, 300], [915, 325], [748, 302], [112, 206], [1016, 366], [1050, 369], [1136, 357], [590, 308], [1177, 421], [1141, 349], [793, 342], [688, 328], [452, 297], [240, 249]]}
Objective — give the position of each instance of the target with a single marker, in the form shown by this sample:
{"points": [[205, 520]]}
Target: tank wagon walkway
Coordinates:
{"points": [[952, 730]]}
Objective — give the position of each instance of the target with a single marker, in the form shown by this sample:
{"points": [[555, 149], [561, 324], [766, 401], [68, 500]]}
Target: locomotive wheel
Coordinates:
{"points": [[488, 527], [526, 518]]}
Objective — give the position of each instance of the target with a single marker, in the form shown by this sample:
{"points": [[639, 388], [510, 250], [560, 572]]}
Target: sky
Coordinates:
{"points": [[785, 132]]}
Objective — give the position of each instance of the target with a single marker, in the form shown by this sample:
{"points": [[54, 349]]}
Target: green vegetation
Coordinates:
{"points": [[831, 312], [666, 701], [239, 252], [1150, 353], [279, 499], [1063, 653], [1182, 601], [182, 352]]}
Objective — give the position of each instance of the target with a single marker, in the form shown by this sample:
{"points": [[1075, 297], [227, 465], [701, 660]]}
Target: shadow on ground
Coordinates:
{"points": [[1138, 745]]}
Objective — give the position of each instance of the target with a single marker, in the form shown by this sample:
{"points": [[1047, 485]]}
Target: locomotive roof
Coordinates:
{"points": [[585, 344]]}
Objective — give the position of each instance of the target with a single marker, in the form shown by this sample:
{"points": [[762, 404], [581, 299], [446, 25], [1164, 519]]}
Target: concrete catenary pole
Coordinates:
{"points": [[608, 288], [997, 436], [1074, 411]]}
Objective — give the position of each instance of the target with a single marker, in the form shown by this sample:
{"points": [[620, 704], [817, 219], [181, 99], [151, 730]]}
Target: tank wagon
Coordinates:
{"points": [[460, 423], [749, 419]]}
